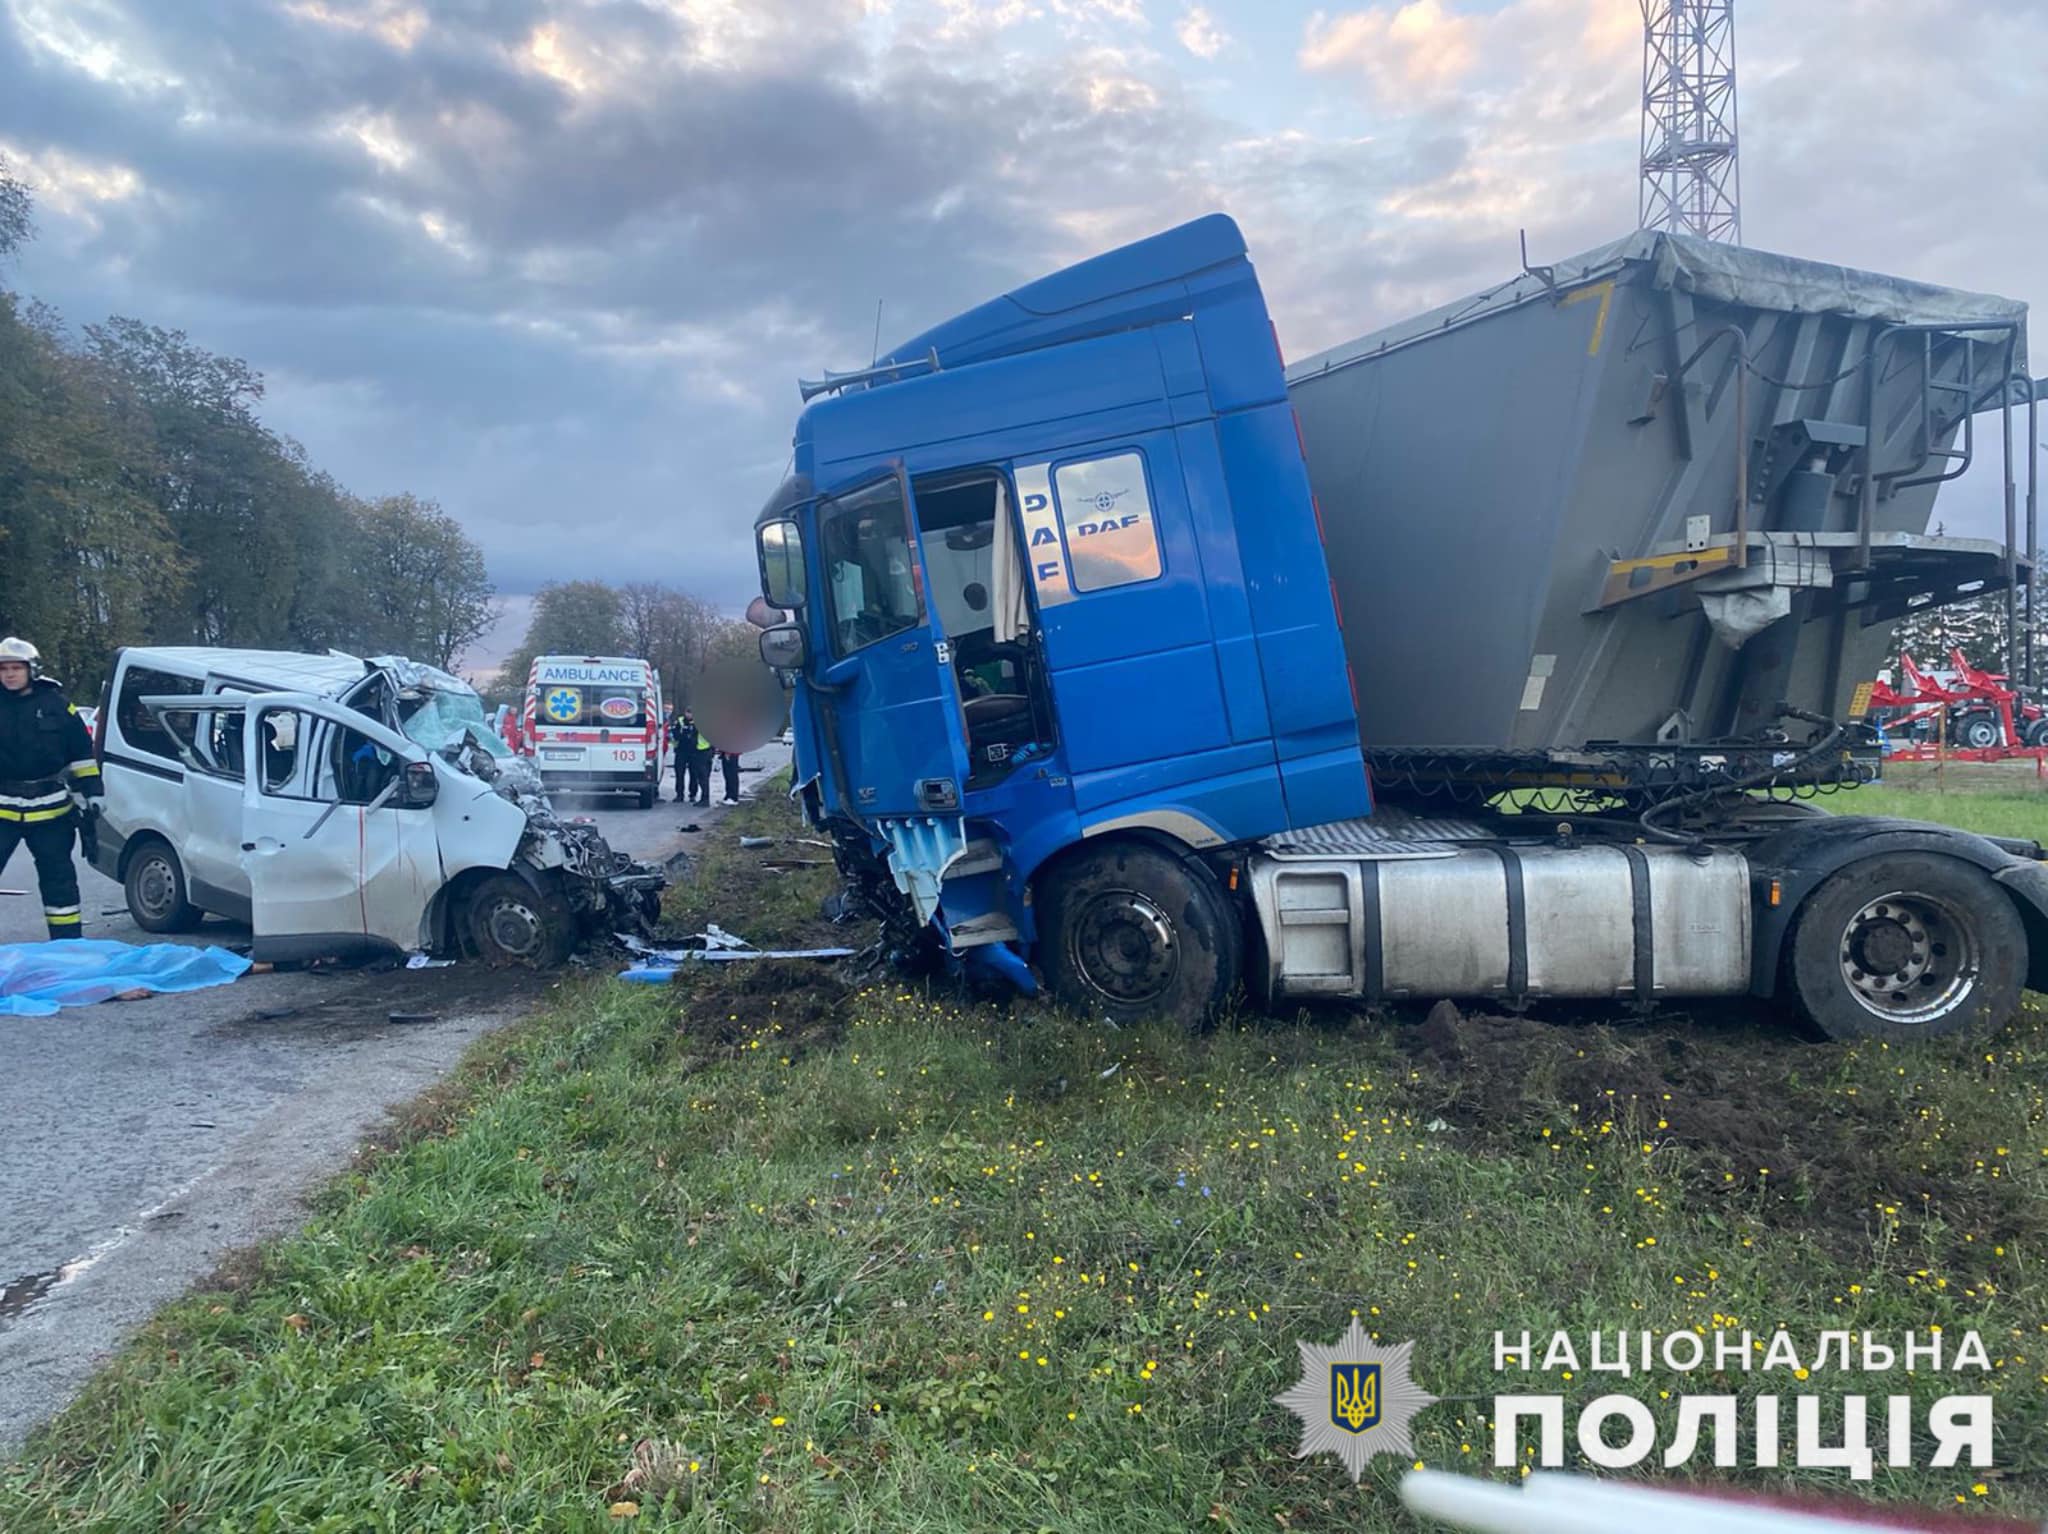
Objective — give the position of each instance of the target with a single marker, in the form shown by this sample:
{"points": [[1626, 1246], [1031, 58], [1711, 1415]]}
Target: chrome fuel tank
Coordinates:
{"points": [[1449, 919]]}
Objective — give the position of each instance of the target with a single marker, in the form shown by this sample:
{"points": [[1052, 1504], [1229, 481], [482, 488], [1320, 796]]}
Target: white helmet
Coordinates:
{"points": [[20, 650]]}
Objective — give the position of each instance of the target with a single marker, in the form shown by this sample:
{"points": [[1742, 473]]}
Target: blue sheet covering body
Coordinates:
{"points": [[38, 978]]}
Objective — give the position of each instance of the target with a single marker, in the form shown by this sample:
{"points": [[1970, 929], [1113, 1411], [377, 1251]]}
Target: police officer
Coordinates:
{"points": [[46, 776]]}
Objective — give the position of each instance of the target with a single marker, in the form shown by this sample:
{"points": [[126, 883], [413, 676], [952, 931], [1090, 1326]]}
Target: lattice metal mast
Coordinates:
{"points": [[1692, 181]]}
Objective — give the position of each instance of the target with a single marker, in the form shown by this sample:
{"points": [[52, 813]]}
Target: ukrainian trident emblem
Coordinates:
{"points": [[1355, 1399], [1355, 1396]]}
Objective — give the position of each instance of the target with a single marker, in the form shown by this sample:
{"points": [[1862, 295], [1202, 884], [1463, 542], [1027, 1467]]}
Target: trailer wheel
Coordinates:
{"points": [[1911, 947], [1979, 732], [1131, 932], [510, 922]]}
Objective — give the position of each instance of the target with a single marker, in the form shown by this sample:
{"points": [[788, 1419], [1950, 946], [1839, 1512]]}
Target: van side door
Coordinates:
{"points": [[338, 831]]}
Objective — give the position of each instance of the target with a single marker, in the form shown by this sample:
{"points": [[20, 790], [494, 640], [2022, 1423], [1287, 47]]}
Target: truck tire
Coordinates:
{"points": [[511, 923], [1128, 932], [155, 887], [2037, 733], [1979, 732], [1916, 946]]}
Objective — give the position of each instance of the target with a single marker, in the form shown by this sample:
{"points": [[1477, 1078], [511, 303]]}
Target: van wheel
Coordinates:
{"points": [[155, 887], [1912, 947], [1129, 932], [649, 796], [511, 922]]}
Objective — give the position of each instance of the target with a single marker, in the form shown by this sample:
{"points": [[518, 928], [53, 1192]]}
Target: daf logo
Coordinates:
{"points": [[1105, 499]]}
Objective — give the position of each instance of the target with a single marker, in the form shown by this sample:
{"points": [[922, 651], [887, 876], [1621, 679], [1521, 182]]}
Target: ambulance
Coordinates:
{"points": [[593, 725]]}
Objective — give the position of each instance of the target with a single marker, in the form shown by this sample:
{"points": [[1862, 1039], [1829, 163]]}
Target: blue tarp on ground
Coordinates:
{"points": [[38, 978]]}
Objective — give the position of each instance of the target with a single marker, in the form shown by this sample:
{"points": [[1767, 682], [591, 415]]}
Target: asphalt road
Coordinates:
{"points": [[148, 1139]]}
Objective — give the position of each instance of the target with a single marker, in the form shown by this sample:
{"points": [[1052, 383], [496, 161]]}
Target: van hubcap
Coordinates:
{"points": [[1125, 948], [155, 887], [514, 928], [1909, 958]]}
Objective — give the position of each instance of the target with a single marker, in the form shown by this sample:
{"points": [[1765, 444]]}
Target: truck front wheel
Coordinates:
{"points": [[1129, 932], [511, 922], [1911, 947]]}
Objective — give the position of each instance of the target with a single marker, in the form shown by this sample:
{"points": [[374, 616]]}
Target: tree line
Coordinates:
{"points": [[142, 500], [682, 635]]}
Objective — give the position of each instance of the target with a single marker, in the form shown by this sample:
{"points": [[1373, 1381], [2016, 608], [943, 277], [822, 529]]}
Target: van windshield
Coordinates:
{"points": [[442, 719]]}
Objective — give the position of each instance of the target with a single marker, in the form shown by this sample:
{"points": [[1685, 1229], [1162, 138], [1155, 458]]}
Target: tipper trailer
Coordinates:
{"points": [[1065, 576]]}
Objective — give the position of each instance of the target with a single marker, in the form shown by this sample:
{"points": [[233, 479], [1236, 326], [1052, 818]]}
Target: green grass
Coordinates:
{"points": [[818, 1254], [2022, 815]]}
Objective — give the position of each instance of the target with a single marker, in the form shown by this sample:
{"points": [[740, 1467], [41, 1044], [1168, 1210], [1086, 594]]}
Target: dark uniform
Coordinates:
{"points": [[45, 757]]}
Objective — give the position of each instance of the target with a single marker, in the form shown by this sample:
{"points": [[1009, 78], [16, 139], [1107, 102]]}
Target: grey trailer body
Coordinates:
{"points": [[1565, 512]]}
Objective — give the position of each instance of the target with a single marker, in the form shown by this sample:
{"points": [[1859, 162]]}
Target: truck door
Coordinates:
{"points": [[1153, 701], [896, 724], [337, 834]]}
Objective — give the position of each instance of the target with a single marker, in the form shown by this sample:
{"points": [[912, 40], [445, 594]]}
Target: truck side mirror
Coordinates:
{"points": [[419, 788], [783, 648], [782, 564]]}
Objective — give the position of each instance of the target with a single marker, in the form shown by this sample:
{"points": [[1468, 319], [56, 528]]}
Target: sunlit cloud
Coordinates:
{"points": [[1199, 33]]}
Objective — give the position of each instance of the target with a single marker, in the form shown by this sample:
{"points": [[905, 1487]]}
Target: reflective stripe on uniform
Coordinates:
{"points": [[52, 812], [85, 769], [38, 802], [69, 917]]}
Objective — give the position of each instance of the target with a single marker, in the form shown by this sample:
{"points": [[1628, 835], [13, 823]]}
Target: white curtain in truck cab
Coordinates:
{"points": [[1006, 575]]}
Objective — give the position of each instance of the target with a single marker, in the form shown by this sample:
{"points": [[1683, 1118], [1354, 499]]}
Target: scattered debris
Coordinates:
{"points": [[713, 944], [413, 1017], [422, 961], [751, 842]]}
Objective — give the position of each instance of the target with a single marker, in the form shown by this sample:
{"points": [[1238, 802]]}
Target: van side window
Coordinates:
{"points": [[1106, 514], [283, 731], [140, 730], [869, 566]]}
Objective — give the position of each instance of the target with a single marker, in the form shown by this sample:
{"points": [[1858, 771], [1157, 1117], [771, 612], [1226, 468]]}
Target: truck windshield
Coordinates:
{"points": [[868, 566]]}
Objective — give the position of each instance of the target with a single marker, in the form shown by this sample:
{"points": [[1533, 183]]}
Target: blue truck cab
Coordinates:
{"points": [[1063, 638]]}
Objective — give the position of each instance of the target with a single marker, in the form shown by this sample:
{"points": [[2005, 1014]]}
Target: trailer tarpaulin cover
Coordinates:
{"points": [[38, 978], [1709, 270]]}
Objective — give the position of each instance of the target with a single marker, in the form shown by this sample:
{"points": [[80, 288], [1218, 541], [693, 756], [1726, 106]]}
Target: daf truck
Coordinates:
{"points": [[1493, 657]]}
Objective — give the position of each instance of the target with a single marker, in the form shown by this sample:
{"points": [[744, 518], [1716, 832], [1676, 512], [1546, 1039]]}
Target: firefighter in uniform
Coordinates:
{"points": [[47, 775]]}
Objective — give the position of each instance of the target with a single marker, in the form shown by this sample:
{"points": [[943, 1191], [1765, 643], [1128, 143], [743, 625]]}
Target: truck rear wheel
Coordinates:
{"points": [[1129, 932], [511, 922], [1911, 947]]}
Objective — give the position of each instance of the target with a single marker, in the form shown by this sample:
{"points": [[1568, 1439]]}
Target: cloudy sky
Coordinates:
{"points": [[557, 263]]}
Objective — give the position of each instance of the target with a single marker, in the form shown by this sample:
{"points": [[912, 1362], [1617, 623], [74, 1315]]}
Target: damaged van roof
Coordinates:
{"points": [[328, 675]]}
